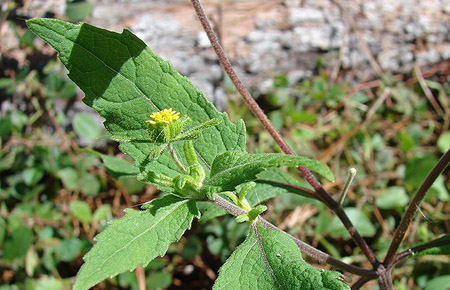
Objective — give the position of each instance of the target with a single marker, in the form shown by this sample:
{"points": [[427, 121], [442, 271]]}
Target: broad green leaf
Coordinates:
{"points": [[268, 259], [235, 167], [437, 250], [392, 197], [81, 211], [86, 127], [136, 239], [361, 222], [125, 82]]}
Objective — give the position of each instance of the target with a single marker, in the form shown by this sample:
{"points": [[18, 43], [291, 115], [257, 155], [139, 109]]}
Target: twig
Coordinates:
{"points": [[430, 96], [412, 208], [414, 250], [304, 247], [257, 111], [358, 284], [140, 276]]}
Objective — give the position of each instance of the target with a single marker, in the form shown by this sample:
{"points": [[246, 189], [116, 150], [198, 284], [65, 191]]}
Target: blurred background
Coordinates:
{"points": [[351, 83]]}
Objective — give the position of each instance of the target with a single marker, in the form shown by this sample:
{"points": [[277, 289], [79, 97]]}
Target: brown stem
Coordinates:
{"points": [[257, 111], [385, 281], [361, 281], [140, 276], [414, 250], [304, 247], [412, 208]]}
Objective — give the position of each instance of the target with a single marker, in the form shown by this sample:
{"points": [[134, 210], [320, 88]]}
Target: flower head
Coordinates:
{"points": [[164, 117]]}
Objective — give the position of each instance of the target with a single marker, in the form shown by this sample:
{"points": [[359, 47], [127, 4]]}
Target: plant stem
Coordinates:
{"points": [[414, 250], [140, 276], [304, 247], [257, 111], [412, 208], [358, 284], [175, 158]]}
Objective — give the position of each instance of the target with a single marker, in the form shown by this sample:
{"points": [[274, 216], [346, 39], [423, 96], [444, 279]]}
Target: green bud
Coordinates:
{"points": [[242, 218], [255, 212], [232, 196], [189, 152], [245, 189]]}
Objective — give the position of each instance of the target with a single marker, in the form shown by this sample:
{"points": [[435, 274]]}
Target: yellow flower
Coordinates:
{"points": [[165, 116]]}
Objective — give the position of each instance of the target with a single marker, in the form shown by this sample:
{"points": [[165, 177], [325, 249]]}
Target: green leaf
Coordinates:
{"points": [[19, 242], [81, 211], [90, 185], [78, 10], [125, 82], [118, 167], [136, 239], [69, 249], [159, 280], [101, 213], [437, 250], [393, 197], [268, 259], [209, 210], [235, 167], [32, 175], [441, 282], [69, 177], [86, 127], [361, 222], [443, 142], [417, 168]]}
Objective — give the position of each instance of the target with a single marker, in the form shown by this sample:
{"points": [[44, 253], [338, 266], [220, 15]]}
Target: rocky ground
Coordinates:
{"points": [[360, 40]]}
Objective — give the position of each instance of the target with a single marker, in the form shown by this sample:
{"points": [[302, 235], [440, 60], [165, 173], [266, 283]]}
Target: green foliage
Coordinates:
{"points": [[258, 263], [361, 222], [120, 246], [85, 126], [54, 197], [393, 197], [129, 90], [233, 168]]}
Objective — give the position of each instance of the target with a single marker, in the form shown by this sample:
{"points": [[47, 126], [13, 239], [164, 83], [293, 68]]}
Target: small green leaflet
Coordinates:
{"points": [[268, 259], [443, 249], [236, 167], [125, 82], [136, 239]]}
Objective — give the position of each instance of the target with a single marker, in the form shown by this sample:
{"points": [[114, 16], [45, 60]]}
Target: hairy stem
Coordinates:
{"points": [[413, 206], [304, 247], [257, 111], [175, 158]]}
